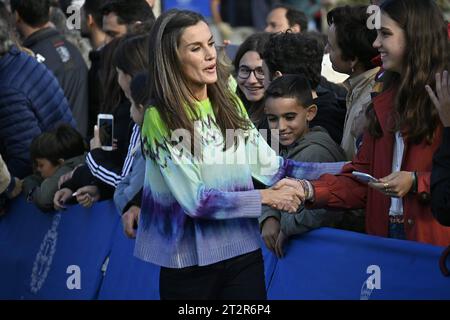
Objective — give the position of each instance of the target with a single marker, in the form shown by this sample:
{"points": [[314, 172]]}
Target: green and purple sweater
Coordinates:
{"points": [[202, 210]]}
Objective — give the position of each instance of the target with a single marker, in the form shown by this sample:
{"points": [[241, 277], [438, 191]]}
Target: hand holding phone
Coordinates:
{"points": [[105, 123], [364, 177]]}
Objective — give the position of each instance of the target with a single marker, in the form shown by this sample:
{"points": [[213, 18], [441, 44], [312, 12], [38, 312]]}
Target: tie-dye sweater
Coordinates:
{"points": [[202, 210]]}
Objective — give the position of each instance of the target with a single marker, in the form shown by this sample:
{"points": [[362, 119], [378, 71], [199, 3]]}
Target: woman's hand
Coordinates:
{"points": [[287, 182], [396, 185], [441, 99], [60, 198], [270, 232], [285, 198], [130, 221], [87, 195]]}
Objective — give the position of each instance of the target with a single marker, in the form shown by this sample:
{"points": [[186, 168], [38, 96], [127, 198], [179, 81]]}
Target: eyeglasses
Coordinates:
{"points": [[244, 73]]}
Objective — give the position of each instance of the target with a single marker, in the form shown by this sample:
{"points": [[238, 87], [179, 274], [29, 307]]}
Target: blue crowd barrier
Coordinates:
{"points": [[40, 251], [43, 255], [127, 277], [336, 264]]}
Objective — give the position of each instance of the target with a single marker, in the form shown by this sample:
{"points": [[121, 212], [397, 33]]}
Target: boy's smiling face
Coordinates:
{"points": [[289, 117]]}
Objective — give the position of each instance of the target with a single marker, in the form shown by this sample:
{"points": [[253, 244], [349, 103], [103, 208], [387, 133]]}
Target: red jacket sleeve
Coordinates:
{"points": [[343, 190]]}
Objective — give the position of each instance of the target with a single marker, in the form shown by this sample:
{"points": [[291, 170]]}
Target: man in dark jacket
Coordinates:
{"points": [[31, 102], [102, 21], [59, 55]]}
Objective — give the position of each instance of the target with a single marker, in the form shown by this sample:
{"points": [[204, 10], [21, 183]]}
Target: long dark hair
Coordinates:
{"points": [[112, 93], [169, 87], [131, 55], [427, 54], [257, 43]]}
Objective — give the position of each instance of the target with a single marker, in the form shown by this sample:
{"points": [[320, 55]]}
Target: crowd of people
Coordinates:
{"points": [[193, 169]]}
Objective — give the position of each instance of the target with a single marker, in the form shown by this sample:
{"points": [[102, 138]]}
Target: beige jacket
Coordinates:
{"points": [[5, 177], [358, 98]]}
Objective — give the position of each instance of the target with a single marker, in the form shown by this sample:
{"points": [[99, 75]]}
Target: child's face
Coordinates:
{"points": [[290, 118], [137, 113], [391, 43], [45, 167]]}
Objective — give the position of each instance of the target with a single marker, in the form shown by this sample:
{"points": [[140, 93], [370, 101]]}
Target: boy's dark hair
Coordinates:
{"points": [[129, 11], [139, 89], [353, 36], [93, 7], [294, 53], [294, 16], [35, 13], [64, 142], [291, 86]]}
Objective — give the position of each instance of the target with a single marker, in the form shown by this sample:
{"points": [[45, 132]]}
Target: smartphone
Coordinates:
{"points": [[364, 177], [105, 123]]}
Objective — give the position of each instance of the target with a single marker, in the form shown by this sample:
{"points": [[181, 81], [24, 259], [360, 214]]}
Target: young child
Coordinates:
{"points": [[53, 154], [127, 196], [403, 131], [289, 107]]}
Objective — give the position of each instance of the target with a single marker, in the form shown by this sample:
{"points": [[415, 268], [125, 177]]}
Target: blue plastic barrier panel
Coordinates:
{"points": [[270, 262], [335, 264], [55, 255], [127, 277]]}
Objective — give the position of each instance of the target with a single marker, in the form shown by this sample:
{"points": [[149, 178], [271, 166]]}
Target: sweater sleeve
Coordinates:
{"points": [[268, 168], [440, 181], [43, 195], [131, 184], [268, 212]]}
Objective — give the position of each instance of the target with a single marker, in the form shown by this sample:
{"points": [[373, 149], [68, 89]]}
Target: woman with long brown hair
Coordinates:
{"points": [[199, 209], [403, 132]]}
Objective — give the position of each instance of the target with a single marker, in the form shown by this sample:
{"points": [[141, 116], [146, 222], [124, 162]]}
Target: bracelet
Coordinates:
{"points": [[307, 188], [415, 184]]}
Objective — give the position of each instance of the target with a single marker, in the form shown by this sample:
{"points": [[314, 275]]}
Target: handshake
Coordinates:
{"points": [[287, 194]]}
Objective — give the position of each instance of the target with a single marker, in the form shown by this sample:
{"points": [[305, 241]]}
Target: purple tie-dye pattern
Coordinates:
{"points": [[305, 170], [167, 217]]}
